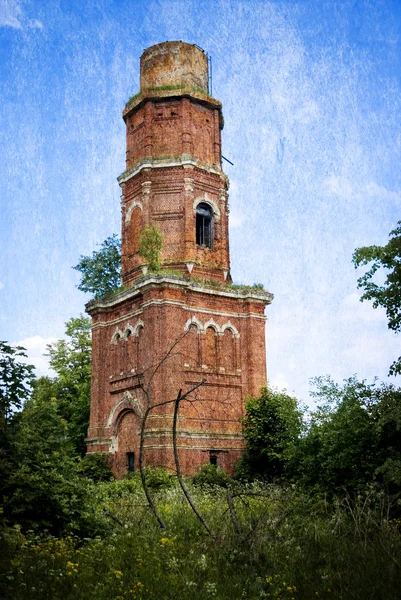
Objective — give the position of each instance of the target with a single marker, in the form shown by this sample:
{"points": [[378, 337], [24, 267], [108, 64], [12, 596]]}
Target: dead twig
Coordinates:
{"points": [[187, 495]]}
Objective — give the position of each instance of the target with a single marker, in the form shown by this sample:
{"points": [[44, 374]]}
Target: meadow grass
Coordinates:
{"points": [[286, 546]]}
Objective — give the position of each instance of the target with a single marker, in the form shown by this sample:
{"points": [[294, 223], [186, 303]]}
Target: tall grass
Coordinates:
{"points": [[285, 545]]}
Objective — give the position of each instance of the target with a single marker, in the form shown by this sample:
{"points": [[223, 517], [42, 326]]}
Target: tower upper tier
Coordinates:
{"points": [[174, 64], [173, 178]]}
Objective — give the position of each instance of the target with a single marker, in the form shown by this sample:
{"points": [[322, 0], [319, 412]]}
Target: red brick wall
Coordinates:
{"points": [[173, 162]]}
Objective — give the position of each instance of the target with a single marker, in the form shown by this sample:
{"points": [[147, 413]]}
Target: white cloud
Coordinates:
{"points": [[35, 24], [279, 382], [342, 187], [1, 285], [35, 348], [11, 15], [353, 310]]}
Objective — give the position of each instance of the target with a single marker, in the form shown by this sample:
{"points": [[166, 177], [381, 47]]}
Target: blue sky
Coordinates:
{"points": [[311, 94]]}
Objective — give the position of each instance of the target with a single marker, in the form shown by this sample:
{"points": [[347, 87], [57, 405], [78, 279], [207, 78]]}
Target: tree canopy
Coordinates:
{"points": [[70, 358], [388, 295], [101, 272], [271, 425], [15, 379]]}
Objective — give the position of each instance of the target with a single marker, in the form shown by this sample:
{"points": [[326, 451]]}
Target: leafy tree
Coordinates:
{"points": [[71, 359], [388, 295], [150, 246], [353, 438], [101, 272], [45, 490], [16, 379], [271, 426]]}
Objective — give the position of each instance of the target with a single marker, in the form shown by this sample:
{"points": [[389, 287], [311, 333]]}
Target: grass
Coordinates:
{"points": [[289, 546]]}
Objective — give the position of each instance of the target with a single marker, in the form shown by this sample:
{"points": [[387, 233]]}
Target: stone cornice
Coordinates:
{"points": [[179, 91], [162, 163], [144, 283]]}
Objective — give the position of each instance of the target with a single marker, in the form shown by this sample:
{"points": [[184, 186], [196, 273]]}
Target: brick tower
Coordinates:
{"points": [[174, 181]]}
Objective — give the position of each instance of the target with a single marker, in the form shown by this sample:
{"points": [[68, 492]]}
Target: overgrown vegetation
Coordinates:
{"points": [[314, 510], [101, 271], [150, 246], [289, 545], [385, 259]]}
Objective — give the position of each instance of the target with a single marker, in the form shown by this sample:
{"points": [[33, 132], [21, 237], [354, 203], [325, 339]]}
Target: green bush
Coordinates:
{"points": [[211, 475], [158, 478], [95, 467]]}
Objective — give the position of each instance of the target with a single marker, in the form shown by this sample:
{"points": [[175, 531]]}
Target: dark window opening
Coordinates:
{"points": [[131, 461], [204, 225], [214, 459]]}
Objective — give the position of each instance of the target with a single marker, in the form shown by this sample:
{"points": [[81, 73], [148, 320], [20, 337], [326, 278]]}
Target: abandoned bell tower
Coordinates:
{"points": [[169, 329]]}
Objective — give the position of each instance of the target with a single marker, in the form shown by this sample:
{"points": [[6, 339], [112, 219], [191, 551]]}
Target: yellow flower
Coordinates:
{"points": [[118, 574]]}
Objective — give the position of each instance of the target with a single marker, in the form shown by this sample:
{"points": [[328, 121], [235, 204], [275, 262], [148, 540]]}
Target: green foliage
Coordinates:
{"points": [[95, 466], [209, 475], [101, 272], [157, 478], [388, 259], [150, 246], [44, 490], [353, 439], [292, 547], [271, 427], [16, 379], [71, 359]]}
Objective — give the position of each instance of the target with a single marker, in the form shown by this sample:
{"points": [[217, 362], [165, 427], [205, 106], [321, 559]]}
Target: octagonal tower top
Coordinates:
{"points": [[174, 64]]}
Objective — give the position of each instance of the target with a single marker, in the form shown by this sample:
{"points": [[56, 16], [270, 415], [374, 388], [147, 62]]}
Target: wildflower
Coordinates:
{"points": [[210, 587], [202, 562], [118, 574]]}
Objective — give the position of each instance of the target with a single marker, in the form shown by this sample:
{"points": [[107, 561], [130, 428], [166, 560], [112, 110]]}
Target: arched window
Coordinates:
{"points": [[204, 225], [193, 349], [211, 347]]}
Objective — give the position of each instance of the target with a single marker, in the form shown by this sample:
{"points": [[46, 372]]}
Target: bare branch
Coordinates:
{"points": [[233, 514], [149, 498], [177, 462]]}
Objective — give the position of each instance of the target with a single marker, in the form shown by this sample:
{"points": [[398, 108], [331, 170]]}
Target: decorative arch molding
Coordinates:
{"points": [[212, 203], [123, 335], [128, 403], [138, 326], [129, 330], [135, 204], [196, 322], [231, 328], [212, 323], [117, 335], [133, 329]]}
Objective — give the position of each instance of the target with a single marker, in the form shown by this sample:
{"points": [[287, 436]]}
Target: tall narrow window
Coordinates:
{"points": [[131, 461], [211, 347], [204, 225]]}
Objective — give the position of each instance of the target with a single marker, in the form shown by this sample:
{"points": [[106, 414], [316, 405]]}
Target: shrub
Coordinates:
{"points": [[95, 466], [211, 475]]}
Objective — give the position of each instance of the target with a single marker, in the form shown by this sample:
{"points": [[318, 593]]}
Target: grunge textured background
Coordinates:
{"points": [[312, 106]]}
